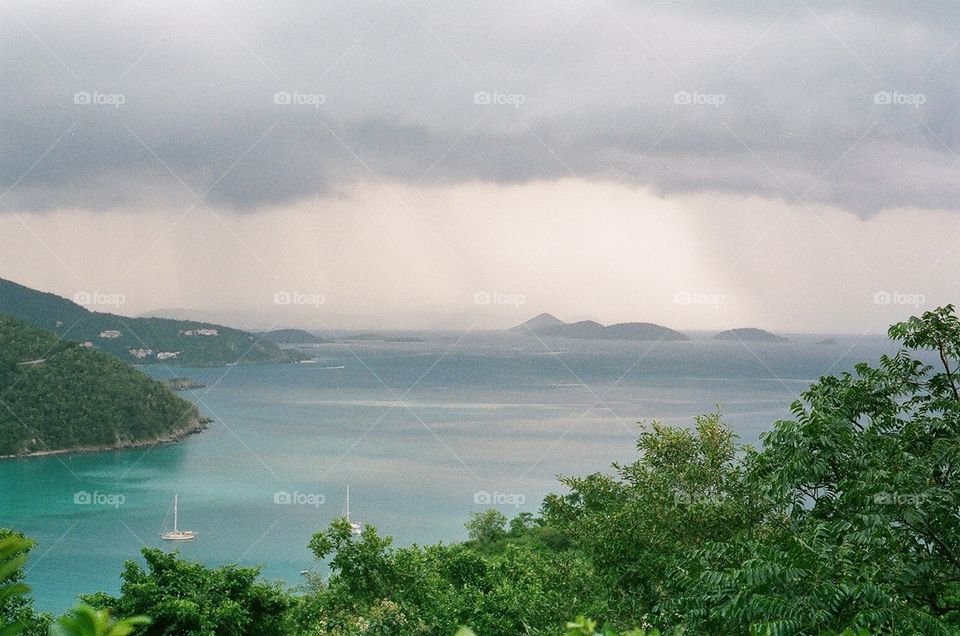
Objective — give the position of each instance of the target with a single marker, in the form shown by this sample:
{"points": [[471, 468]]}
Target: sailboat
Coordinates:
{"points": [[177, 534], [355, 528]]}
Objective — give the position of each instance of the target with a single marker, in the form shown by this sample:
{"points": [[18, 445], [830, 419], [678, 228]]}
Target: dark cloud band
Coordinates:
{"points": [[247, 105]]}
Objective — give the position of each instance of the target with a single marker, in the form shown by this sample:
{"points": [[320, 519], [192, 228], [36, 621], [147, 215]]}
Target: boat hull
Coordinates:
{"points": [[182, 535]]}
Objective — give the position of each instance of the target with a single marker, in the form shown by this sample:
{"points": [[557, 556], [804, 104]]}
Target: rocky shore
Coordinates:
{"points": [[196, 425]]}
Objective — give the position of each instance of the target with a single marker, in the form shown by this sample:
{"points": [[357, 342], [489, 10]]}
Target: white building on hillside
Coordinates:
{"points": [[199, 332]]}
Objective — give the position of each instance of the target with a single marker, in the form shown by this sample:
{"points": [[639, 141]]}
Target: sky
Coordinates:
{"points": [[438, 164]]}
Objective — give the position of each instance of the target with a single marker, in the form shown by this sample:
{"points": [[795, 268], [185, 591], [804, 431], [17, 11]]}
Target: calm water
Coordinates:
{"points": [[415, 429]]}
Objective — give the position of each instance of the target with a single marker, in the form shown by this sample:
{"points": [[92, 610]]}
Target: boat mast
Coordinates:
{"points": [[174, 513]]}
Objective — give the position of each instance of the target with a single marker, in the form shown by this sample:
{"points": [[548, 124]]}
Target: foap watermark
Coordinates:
{"points": [[895, 98], [298, 298], [296, 498], [496, 98], [898, 298], [84, 498], [698, 298], [296, 98], [96, 98], [498, 298], [896, 499], [96, 298], [485, 498], [695, 98]]}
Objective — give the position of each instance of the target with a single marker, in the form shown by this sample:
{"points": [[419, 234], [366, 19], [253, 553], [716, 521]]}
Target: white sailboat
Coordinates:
{"points": [[177, 534], [355, 528]]}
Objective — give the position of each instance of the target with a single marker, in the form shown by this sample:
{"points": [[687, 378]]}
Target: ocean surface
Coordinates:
{"points": [[423, 433]]}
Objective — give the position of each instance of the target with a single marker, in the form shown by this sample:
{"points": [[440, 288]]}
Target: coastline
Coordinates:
{"points": [[196, 425]]}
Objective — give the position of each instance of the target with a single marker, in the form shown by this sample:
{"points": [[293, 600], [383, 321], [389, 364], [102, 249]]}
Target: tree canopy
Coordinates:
{"points": [[57, 395]]}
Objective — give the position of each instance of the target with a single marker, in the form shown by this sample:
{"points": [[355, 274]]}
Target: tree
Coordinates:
{"points": [[866, 481], [15, 610], [642, 526], [86, 621], [183, 598], [486, 527], [516, 588], [365, 565], [522, 523]]}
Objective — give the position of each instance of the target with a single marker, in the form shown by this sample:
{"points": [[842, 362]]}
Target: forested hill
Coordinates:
{"points": [[57, 395], [139, 340]]}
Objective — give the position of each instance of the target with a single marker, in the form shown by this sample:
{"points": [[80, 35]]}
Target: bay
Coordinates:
{"points": [[423, 433]]}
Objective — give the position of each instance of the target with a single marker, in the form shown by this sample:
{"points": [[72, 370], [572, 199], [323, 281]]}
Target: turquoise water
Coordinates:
{"points": [[419, 431]]}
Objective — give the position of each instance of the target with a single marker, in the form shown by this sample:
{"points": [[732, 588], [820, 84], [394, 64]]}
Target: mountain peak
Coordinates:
{"points": [[538, 322]]}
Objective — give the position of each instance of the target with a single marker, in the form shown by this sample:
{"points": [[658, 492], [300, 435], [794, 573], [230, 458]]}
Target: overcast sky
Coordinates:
{"points": [[789, 165]]}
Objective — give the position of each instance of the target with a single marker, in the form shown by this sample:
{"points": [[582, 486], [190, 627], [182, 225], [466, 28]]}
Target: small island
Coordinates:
{"points": [[549, 325], [184, 384], [749, 334]]}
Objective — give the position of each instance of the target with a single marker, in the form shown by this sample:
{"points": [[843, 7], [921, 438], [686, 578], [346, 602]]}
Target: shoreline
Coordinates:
{"points": [[196, 425]]}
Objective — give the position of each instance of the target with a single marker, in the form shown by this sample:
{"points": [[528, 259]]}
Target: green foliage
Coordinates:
{"points": [[15, 612], [163, 334], [864, 531], [583, 626], [187, 598], [86, 621], [521, 524], [519, 587], [488, 526], [367, 569], [645, 523], [56, 395]]}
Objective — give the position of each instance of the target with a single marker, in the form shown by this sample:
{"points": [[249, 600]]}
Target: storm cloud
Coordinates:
{"points": [[246, 105]]}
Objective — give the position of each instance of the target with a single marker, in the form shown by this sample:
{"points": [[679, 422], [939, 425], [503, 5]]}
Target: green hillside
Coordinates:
{"points": [[58, 395], [139, 340], [292, 336]]}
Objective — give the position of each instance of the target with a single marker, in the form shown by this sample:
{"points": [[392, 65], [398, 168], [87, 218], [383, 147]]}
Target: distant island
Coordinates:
{"points": [[549, 325], [183, 384], [376, 337], [293, 336], [749, 334], [139, 340], [62, 397]]}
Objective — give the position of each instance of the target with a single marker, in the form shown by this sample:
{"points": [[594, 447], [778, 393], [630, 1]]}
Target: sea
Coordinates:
{"points": [[422, 433]]}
